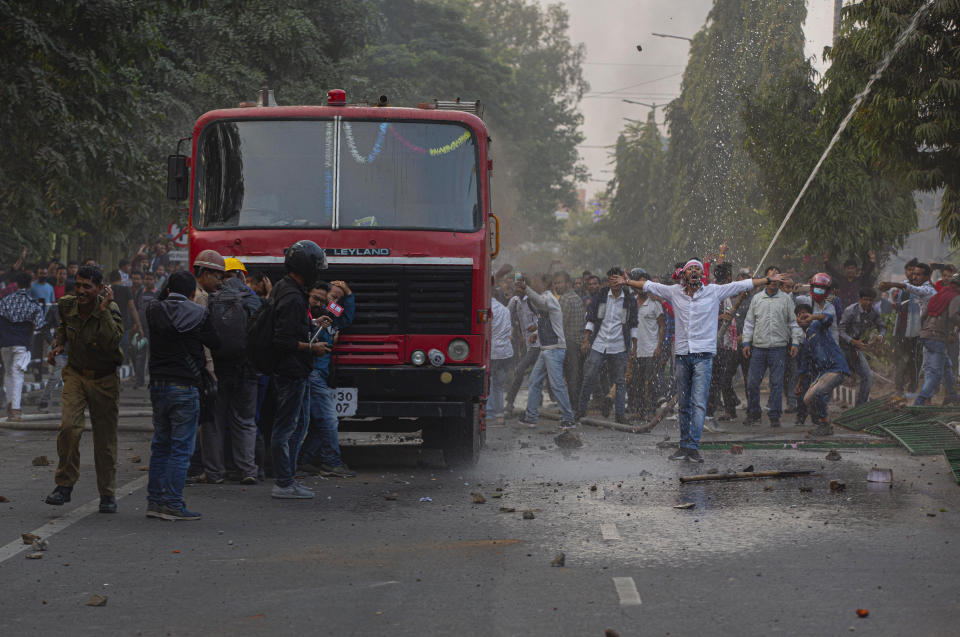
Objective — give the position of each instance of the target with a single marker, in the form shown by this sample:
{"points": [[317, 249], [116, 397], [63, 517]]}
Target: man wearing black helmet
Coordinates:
{"points": [[291, 341]]}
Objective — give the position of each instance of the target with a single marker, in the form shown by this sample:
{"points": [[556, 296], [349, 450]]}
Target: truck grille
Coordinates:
{"points": [[394, 299]]}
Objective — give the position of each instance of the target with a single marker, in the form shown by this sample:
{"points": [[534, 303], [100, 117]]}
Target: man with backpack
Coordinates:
{"points": [[279, 343], [231, 308]]}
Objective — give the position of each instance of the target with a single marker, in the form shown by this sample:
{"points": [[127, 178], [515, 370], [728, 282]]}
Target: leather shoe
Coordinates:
{"points": [[108, 504], [59, 496]]}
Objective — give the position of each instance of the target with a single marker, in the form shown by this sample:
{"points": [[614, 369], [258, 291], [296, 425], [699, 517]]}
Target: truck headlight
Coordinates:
{"points": [[436, 357], [458, 350]]}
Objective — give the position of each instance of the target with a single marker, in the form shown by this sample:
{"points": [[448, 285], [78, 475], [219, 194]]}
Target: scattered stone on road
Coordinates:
{"points": [[528, 515], [41, 461], [40, 545], [478, 498], [685, 505], [97, 600], [833, 455], [507, 510], [838, 485], [568, 440], [29, 538], [135, 459], [559, 560], [391, 496], [3, 499], [34, 556]]}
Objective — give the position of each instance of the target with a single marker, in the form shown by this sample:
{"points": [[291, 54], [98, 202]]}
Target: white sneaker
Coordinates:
{"points": [[712, 428], [302, 490], [290, 492]]}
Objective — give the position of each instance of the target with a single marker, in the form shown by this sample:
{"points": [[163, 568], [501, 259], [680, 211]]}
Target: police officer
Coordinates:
{"points": [[90, 330]]}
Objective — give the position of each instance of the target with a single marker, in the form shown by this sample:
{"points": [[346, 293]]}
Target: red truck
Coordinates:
{"points": [[400, 200]]}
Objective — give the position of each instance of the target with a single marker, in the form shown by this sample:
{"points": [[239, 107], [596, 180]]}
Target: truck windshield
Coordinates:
{"points": [[392, 175]]}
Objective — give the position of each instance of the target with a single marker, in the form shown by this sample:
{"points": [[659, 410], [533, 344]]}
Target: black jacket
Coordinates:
{"points": [[597, 309], [291, 327], [179, 328]]}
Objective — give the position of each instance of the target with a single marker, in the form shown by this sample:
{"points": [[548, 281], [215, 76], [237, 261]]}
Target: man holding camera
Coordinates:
{"points": [[321, 449]]}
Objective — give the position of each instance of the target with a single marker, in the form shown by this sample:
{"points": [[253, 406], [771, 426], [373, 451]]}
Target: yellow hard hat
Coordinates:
{"points": [[233, 263]]}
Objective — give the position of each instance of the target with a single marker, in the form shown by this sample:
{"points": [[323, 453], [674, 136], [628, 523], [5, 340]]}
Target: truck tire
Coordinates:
{"points": [[460, 439]]}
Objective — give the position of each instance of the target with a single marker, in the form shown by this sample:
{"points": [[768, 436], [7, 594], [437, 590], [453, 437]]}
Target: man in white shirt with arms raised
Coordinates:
{"points": [[695, 308]]}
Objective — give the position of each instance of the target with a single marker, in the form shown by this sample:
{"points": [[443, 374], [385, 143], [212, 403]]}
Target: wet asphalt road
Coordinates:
{"points": [[751, 558]]}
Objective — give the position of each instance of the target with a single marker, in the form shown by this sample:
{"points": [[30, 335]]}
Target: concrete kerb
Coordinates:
{"points": [[51, 422]]}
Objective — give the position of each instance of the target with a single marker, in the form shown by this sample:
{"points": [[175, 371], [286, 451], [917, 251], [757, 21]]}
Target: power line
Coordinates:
{"points": [[623, 88], [632, 64], [649, 96]]}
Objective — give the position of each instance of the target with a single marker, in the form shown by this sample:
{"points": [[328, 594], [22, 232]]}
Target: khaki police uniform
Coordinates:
{"points": [[90, 380]]}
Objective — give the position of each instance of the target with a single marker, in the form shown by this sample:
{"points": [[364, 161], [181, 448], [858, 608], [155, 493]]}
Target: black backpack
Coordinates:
{"points": [[229, 318], [260, 350]]}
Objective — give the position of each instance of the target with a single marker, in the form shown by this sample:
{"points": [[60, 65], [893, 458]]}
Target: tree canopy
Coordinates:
{"points": [[909, 126]]}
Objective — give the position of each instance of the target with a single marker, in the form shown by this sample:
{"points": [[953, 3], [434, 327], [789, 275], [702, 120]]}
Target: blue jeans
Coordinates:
{"points": [[761, 359], [176, 413], [549, 364], [936, 367], [289, 426], [617, 364], [817, 395], [860, 366], [322, 444], [499, 369], [693, 373]]}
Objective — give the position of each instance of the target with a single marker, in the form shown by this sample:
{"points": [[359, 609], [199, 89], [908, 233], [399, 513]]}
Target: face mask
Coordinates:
{"points": [[695, 283], [819, 291]]}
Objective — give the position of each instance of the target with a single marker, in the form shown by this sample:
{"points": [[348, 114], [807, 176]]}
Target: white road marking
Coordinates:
{"points": [[627, 590], [609, 531], [56, 525]]}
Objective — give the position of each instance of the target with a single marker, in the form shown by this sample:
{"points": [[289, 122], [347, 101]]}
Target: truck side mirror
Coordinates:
{"points": [[178, 178]]}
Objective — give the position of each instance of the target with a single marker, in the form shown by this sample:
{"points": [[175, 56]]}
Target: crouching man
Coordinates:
{"points": [[821, 360]]}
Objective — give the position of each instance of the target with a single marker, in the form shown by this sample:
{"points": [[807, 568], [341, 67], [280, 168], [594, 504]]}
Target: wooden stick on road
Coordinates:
{"points": [[745, 475]]}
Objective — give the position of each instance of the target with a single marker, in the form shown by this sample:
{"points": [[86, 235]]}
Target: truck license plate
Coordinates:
{"points": [[346, 401]]}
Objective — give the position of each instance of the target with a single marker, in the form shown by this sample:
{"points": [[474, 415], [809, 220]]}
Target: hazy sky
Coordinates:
{"points": [[611, 29]]}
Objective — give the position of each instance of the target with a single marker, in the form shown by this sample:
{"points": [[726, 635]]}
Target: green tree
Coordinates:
{"points": [[714, 192], [74, 118], [859, 200], [635, 201], [99, 91], [909, 126]]}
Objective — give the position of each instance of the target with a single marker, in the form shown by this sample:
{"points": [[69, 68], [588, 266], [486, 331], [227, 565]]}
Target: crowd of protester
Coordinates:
{"points": [[806, 333], [226, 405], [241, 376]]}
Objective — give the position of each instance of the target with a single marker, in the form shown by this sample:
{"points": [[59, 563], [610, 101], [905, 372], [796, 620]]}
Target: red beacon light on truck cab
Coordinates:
{"points": [[336, 97]]}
